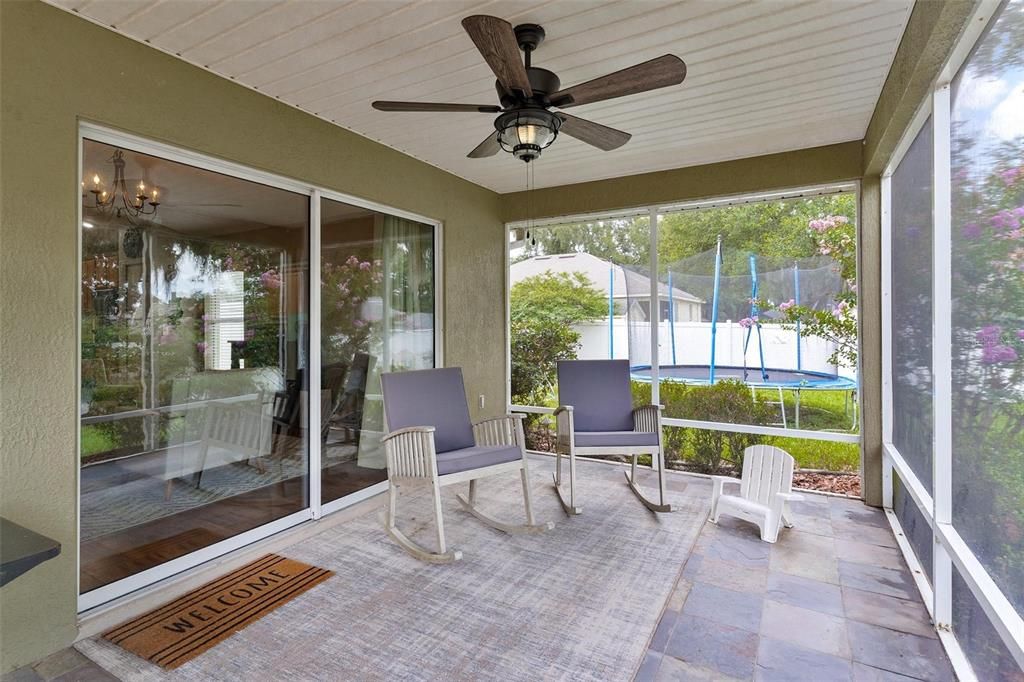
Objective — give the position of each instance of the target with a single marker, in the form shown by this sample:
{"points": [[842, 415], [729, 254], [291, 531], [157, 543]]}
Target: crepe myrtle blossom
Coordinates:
{"points": [[787, 305], [995, 354], [826, 223], [1011, 175], [201, 347], [270, 279], [971, 231], [748, 322], [1007, 220], [989, 335]]}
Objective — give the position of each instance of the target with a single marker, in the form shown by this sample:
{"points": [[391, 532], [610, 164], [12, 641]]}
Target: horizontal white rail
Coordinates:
{"points": [[732, 428], [911, 483], [1007, 622]]}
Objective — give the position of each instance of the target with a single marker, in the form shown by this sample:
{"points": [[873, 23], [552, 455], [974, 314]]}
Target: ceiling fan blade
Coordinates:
{"points": [[657, 73], [489, 147], [497, 43], [383, 105], [592, 133]]}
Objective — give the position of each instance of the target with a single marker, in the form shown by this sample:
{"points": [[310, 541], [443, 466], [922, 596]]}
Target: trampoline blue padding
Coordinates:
{"points": [[785, 378]]}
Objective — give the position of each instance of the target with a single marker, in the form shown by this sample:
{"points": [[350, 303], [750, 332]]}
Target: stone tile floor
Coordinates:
{"points": [[833, 599]]}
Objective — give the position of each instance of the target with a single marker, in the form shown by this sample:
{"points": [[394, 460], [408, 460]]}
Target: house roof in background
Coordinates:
{"points": [[627, 283]]}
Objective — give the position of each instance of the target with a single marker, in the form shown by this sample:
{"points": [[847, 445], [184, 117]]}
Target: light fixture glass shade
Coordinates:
{"points": [[525, 133]]}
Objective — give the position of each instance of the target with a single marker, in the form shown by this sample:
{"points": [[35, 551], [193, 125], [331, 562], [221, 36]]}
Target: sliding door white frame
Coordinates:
{"points": [[314, 509]]}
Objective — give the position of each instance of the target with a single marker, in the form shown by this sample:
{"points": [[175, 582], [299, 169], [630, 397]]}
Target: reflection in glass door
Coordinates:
{"points": [[195, 289], [377, 315]]}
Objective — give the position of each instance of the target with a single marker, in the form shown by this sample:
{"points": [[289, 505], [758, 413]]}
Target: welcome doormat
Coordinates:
{"points": [[186, 627]]}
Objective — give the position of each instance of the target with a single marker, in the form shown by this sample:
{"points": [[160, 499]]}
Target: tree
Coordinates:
{"points": [[625, 241], [543, 310], [836, 237]]}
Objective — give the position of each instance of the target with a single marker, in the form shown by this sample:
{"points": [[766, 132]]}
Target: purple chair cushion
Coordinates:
{"points": [[599, 393], [612, 439], [476, 457], [429, 397]]}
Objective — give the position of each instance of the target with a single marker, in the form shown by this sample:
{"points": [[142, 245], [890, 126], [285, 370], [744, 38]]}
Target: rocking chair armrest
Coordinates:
{"points": [[790, 497], [647, 418], [503, 430], [562, 408], [660, 408], [406, 431], [410, 453], [518, 416]]}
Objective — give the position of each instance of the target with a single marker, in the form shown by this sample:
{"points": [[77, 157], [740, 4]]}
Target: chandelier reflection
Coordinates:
{"points": [[118, 201]]}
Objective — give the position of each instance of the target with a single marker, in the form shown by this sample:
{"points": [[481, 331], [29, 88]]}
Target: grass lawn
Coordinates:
{"points": [[95, 440]]}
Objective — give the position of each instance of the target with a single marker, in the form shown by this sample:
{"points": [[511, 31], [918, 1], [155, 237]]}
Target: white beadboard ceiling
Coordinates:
{"points": [[763, 77]]}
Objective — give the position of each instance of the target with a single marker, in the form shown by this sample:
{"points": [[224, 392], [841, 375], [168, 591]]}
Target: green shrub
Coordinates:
{"points": [[726, 401]]}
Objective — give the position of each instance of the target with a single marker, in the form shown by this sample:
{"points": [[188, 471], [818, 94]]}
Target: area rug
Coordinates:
{"points": [[177, 632], [579, 602], [117, 507]]}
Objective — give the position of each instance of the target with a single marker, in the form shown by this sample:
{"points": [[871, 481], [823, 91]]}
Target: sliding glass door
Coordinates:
{"points": [[202, 299], [377, 315], [194, 381]]}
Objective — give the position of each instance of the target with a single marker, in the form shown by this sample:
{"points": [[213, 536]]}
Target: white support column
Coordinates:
{"points": [[655, 309], [887, 413], [942, 361], [315, 363], [655, 318]]}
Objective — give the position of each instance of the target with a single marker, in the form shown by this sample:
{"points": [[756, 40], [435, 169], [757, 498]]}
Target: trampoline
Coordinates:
{"points": [[795, 380], [752, 376], [736, 285]]}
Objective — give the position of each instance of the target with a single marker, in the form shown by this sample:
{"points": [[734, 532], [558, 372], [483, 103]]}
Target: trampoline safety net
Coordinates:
{"points": [[704, 298]]}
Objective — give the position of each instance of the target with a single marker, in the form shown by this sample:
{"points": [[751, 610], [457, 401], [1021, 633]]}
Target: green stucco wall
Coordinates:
{"points": [[56, 69], [800, 168]]}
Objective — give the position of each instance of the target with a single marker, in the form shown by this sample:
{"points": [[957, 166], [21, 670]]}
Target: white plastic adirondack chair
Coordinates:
{"points": [[765, 491]]}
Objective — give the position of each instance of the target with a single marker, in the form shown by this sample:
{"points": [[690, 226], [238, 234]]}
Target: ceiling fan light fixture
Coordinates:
{"points": [[525, 133]]}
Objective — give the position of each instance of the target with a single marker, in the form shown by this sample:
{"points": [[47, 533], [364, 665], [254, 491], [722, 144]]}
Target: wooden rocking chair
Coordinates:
{"points": [[596, 419], [433, 443]]}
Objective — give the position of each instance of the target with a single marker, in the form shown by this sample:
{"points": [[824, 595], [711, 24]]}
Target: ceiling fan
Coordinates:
{"points": [[525, 124]]}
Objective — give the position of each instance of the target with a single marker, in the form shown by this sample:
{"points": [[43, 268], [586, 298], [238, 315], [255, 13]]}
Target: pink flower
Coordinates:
{"points": [[787, 305], [365, 265], [352, 262], [201, 347], [748, 322], [971, 231], [271, 280], [991, 355], [989, 336], [1005, 220], [1010, 175], [1020, 334]]}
